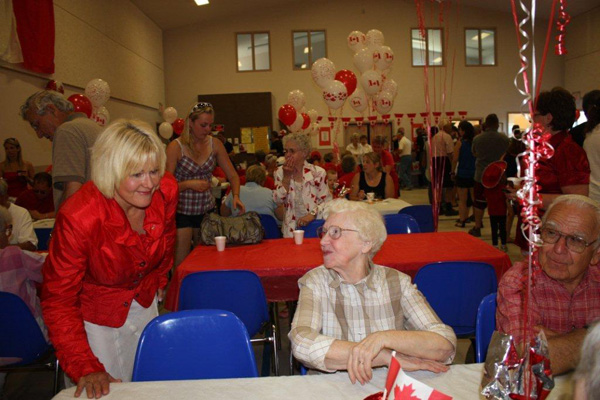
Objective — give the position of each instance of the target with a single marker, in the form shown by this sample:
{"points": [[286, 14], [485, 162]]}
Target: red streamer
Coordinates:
{"points": [[561, 24]]}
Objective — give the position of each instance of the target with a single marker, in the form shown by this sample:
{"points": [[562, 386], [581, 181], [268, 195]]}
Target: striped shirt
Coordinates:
{"points": [[192, 202], [551, 306], [330, 309]]}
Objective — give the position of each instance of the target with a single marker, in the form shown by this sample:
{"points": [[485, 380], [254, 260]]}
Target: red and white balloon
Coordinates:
{"points": [[335, 94], [98, 91], [323, 71]]}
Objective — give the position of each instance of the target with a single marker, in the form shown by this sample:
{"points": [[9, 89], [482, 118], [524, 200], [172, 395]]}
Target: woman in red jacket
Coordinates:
{"points": [[111, 248]]}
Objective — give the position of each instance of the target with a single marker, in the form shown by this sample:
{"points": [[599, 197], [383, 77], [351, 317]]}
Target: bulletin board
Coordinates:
{"points": [[254, 139]]}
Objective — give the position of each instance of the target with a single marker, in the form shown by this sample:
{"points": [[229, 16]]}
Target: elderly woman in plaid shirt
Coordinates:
{"points": [[353, 313]]}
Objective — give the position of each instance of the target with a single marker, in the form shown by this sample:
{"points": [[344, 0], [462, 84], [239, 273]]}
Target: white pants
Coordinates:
{"points": [[116, 347]]}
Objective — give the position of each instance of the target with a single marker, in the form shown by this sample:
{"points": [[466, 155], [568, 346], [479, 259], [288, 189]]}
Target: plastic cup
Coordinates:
{"points": [[220, 242], [298, 236], [370, 196]]}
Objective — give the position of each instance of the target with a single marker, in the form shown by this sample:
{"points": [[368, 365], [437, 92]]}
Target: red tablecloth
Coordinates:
{"points": [[280, 263]]}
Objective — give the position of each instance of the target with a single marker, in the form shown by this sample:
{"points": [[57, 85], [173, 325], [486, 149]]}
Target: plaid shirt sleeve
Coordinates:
{"points": [[510, 300], [308, 344]]}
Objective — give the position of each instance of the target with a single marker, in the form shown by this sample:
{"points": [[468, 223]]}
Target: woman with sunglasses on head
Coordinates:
{"points": [[353, 313], [14, 170], [192, 159]]}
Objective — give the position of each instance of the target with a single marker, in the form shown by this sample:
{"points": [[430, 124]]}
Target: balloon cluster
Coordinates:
{"points": [[171, 124], [98, 91], [337, 86], [294, 115], [374, 60]]}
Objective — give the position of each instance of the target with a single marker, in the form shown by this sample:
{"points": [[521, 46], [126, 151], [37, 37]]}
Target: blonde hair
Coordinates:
{"points": [[14, 142], [375, 159], [123, 148], [193, 115], [367, 221]]}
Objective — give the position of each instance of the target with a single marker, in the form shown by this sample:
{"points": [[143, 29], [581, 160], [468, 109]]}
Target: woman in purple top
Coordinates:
{"points": [[192, 158]]}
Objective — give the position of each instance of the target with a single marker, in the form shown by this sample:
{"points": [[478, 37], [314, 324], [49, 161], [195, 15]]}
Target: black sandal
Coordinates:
{"points": [[460, 224]]}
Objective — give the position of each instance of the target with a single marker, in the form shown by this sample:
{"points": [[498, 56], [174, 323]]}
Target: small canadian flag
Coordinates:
{"points": [[399, 386]]}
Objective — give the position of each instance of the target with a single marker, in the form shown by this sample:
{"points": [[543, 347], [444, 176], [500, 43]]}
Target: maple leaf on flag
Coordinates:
{"points": [[405, 393]]}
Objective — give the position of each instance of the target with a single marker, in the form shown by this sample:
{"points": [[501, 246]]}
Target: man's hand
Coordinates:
{"points": [[95, 384], [36, 214], [410, 363], [307, 219], [549, 333]]}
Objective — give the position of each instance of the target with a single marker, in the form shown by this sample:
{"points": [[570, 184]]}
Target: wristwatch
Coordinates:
{"points": [[313, 212]]}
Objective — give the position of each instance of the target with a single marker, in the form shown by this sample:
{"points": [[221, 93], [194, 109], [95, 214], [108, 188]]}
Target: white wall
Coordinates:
{"points": [[202, 58], [112, 40], [582, 72]]}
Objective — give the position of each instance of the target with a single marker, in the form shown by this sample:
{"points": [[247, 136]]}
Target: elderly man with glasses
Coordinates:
{"points": [[565, 295], [352, 314]]}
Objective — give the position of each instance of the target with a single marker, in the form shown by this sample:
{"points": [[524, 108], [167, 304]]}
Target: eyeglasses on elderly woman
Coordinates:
{"points": [[335, 232], [202, 106]]}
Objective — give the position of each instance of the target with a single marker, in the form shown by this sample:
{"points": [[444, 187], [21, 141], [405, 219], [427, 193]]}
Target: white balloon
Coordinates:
{"points": [[98, 91], [356, 40], [101, 116], [371, 82], [384, 102], [358, 100], [363, 60], [374, 38], [312, 114], [390, 85], [385, 59], [166, 130], [297, 99], [297, 125], [323, 71], [335, 94], [170, 115]]}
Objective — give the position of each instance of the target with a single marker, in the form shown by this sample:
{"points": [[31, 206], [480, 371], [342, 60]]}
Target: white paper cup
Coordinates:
{"points": [[298, 236], [220, 242], [370, 196]]}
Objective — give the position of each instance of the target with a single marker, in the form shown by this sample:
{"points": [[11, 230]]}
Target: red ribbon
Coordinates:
{"points": [[561, 25]]}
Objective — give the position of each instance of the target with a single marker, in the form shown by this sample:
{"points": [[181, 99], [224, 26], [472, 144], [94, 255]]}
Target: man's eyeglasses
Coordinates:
{"points": [[573, 243], [335, 232], [202, 106]]}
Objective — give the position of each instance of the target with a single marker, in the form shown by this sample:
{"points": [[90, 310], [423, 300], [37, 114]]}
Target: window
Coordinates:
{"points": [[480, 46], [308, 46], [253, 51], [427, 50]]}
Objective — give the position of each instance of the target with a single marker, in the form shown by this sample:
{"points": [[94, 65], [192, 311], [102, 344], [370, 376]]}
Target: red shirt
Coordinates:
{"points": [[496, 201], [387, 159], [569, 165], [31, 202], [552, 305], [346, 180], [97, 265]]}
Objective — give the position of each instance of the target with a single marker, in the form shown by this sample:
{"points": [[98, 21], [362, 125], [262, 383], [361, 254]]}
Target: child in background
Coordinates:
{"points": [[494, 182], [332, 181]]}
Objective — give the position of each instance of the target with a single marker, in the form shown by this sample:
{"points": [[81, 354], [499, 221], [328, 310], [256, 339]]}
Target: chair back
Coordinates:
{"points": [[486, 325], [423, 214], [454, 290], [269, 223], [20, 334], [310, 230], [237, 291], [400, 223], [194, 344]]}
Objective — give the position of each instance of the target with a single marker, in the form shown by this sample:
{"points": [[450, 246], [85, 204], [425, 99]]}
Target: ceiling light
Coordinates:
{"points": [[437, 60], [306, 50], [483, 36], [201, 2]]}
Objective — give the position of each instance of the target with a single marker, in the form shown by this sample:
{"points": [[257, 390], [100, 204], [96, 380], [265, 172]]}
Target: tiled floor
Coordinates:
{"points": [[38, 386]]}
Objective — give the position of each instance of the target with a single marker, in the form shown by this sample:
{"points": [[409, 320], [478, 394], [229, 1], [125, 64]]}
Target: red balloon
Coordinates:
{"points": [[178, 125], [348, 79], [81, 104], [287, 114], [306, 122]]}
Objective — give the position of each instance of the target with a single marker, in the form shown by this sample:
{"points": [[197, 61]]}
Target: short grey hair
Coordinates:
{"points": [[40, 100], [271, 159], [3, 187], [301, 139], [5, 218], [578, 201], [368, 222], [355, 135], [588, 368]]}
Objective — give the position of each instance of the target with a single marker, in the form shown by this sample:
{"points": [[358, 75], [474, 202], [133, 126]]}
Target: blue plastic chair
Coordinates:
{"points": [[21, 337], [454, 289], [423, 214], [400, 223], [194, 344], [43, 236], [485, 326], [238, 291], [269, 223], [310, 230]]}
